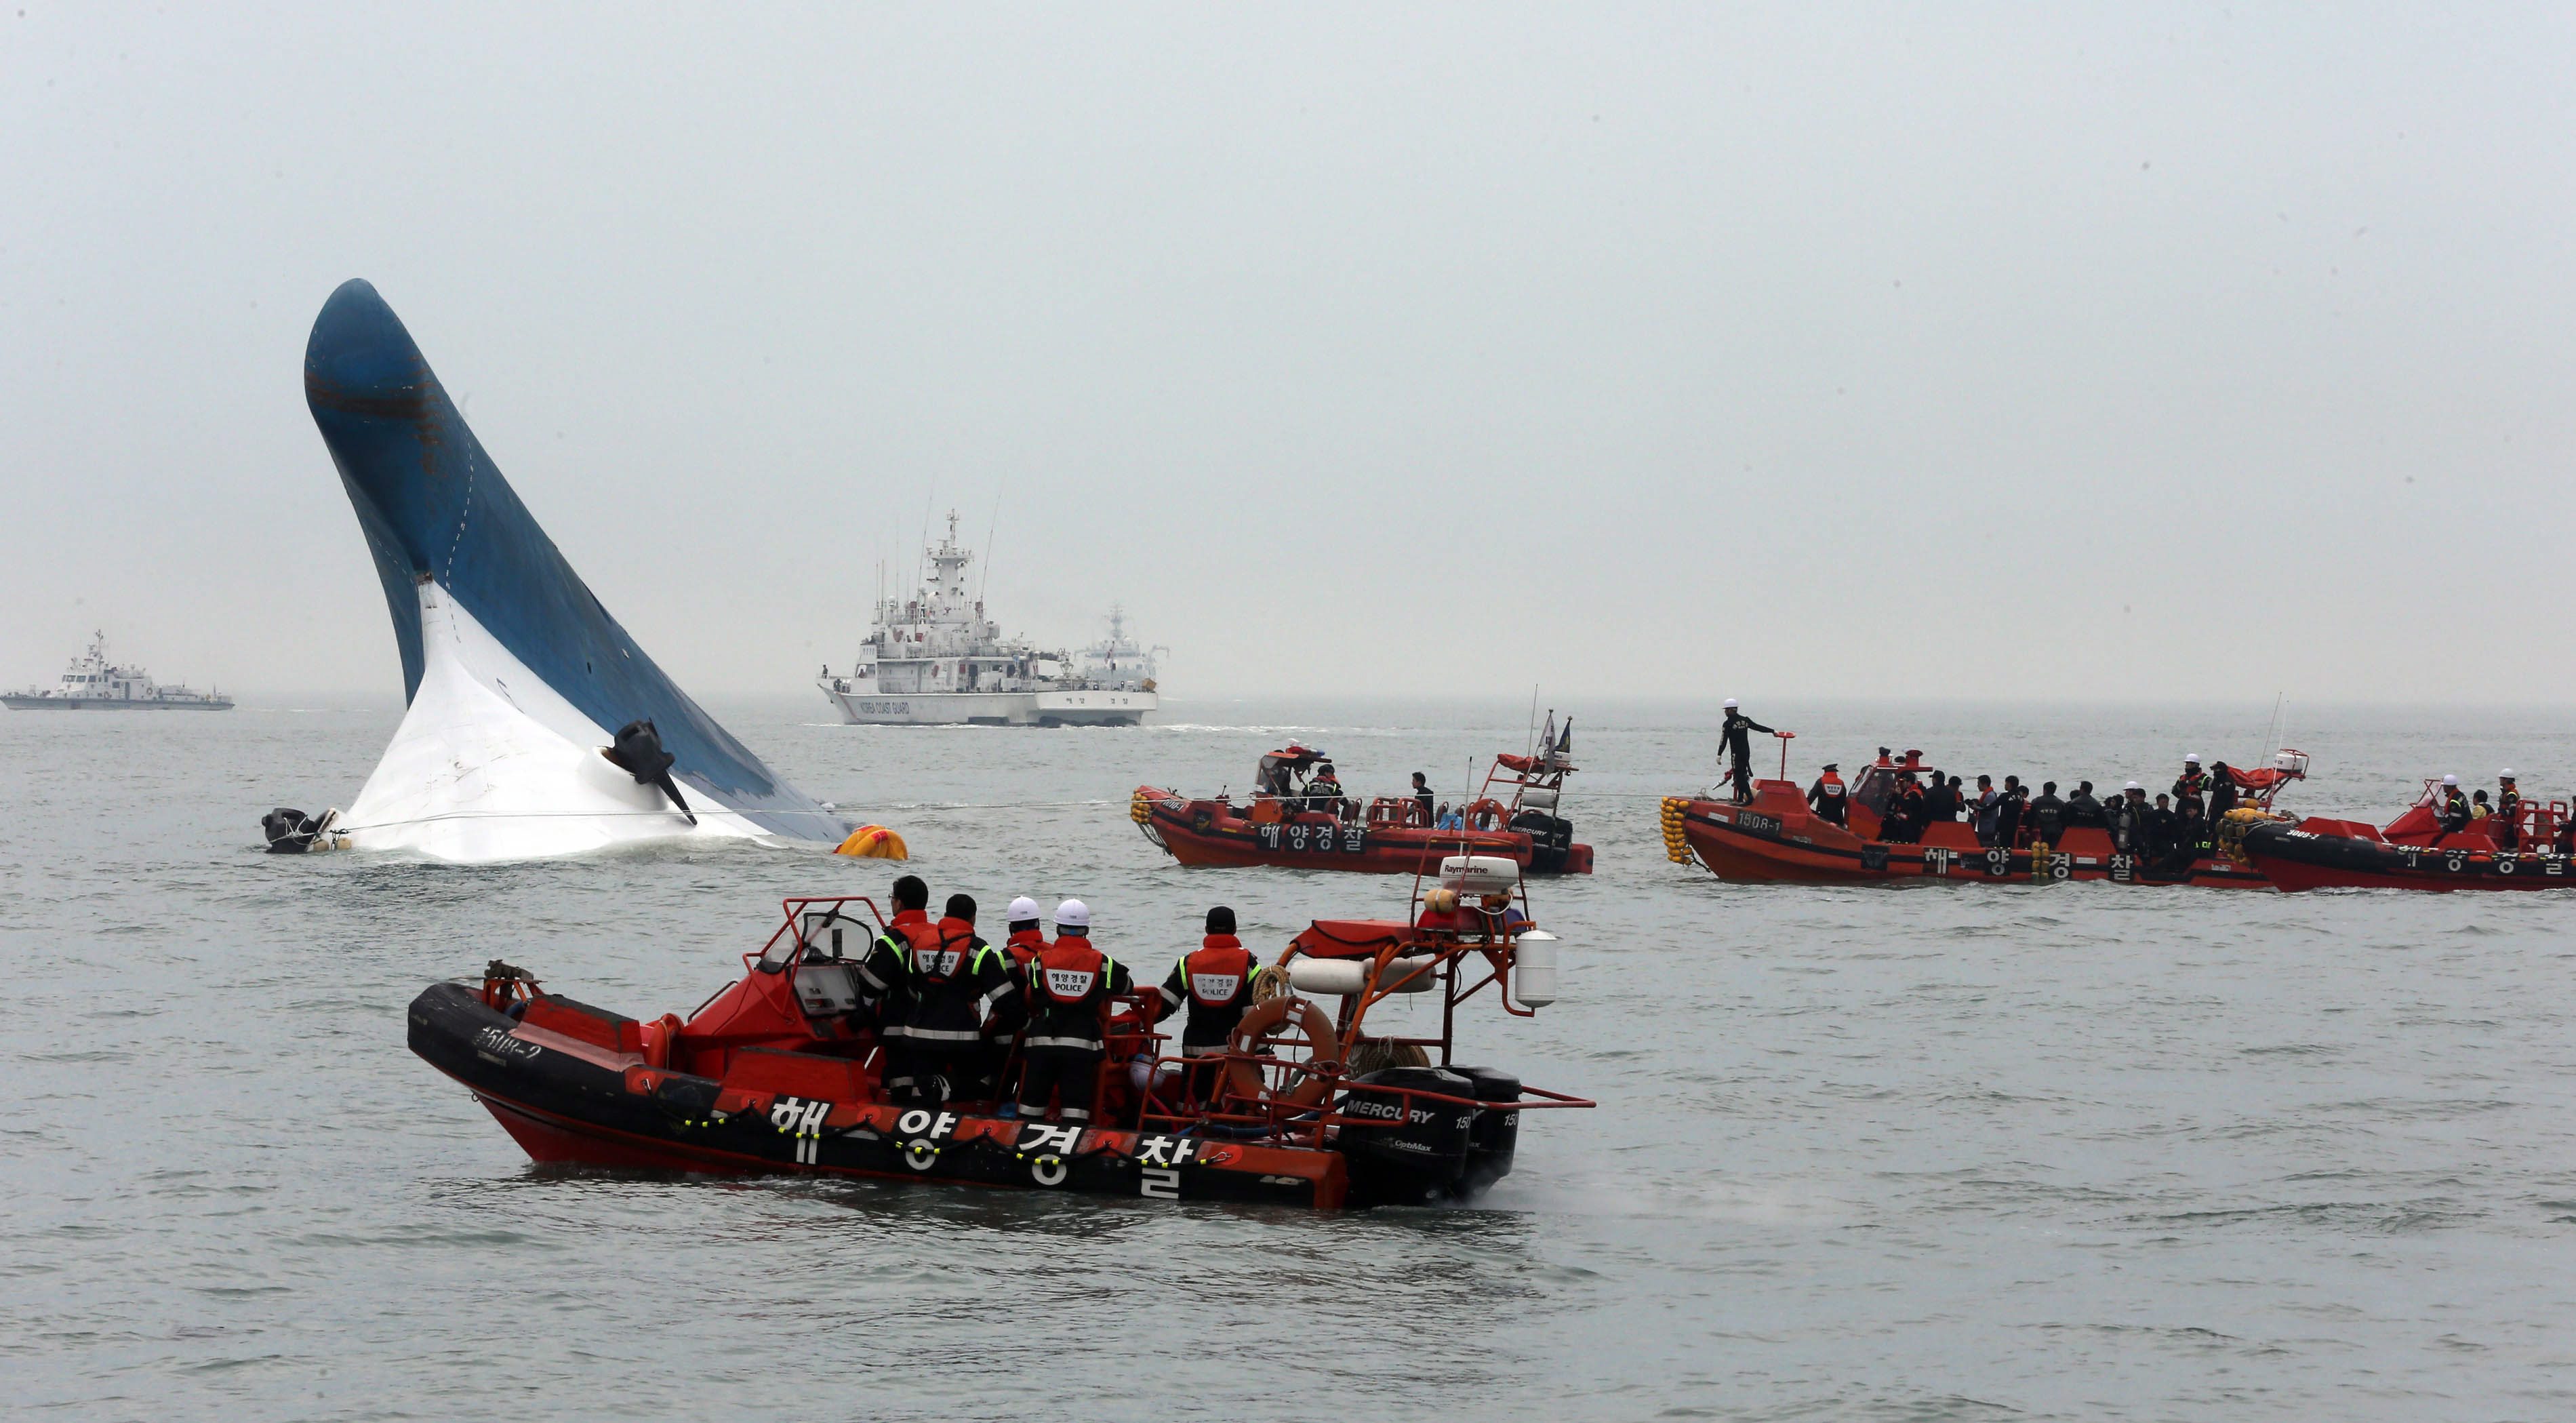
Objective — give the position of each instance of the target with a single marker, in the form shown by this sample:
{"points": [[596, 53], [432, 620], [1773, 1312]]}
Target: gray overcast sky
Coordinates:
{"points": [[1950, 350]]}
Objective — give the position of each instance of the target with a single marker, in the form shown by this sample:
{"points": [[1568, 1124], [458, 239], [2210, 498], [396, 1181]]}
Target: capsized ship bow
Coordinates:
{"points": [[519, 682]]}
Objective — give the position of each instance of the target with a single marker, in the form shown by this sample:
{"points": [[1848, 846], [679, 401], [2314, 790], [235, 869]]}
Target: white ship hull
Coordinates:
{"points": [[1089, 707], [17, 701]]}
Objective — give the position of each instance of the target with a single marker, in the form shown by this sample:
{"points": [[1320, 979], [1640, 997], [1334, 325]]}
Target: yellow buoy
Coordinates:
{"points": [[1676, 845], [874, 842]]}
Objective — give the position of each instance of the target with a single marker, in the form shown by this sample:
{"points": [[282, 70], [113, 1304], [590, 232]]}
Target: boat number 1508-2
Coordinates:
{"points": [[1299, 836]]}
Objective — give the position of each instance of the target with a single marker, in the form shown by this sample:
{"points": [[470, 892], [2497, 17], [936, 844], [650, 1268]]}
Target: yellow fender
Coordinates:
{"points": [[1676, 846], [1139, 809], [874, 842]]}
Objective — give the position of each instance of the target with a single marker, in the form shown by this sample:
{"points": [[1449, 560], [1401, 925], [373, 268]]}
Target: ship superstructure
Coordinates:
{"points": [[92, 683], [935, 659]]}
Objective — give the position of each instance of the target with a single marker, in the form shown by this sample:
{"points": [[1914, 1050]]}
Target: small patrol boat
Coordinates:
{"points": [[781, 1072], [1514, 817], [1779, 838], [2528, 851]]}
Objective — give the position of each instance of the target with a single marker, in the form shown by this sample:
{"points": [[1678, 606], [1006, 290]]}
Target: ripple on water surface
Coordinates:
{"points": [[1945, 1152]]}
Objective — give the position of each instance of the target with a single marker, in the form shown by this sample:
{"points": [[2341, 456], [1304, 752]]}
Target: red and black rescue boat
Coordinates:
{"points": [[1779, 838], [1514, 817], [2529, 851], [780, 1073]]}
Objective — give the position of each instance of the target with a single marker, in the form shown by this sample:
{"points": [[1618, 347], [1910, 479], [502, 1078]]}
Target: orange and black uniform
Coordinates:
{"points": [[1828, 799], [2508, 817], [1069, 986], [2191, 794], [1215, 980], [885, 972], [2455, 811], [957, 980]]}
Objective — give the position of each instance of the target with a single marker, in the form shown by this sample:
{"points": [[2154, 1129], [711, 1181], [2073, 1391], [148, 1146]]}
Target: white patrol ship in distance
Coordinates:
{"points": [[95, 684], [934, 660]]}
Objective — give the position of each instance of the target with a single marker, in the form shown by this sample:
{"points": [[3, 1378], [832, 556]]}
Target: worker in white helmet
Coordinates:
{"points": [[2126, 818], [2453, 808], [1738, 734], [2508, 810], [1027, 938], [1070, 987], [2191, 791]]}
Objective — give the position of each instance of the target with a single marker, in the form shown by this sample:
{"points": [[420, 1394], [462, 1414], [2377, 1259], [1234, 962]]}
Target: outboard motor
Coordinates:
{"points": [[1494, 1135], [289, 832], [639, 753], [1551, 840], [1421, 1152]]}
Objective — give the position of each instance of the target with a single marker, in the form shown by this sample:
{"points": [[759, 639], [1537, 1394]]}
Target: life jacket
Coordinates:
{"points": [[1830, 784], [1024, 946], [903, 933], [2192, 786], [1070, 972], [941, 951], [1218, 972]]}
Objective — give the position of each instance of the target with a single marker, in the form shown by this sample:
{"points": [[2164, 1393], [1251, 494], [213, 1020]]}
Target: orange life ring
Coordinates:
{"points": [[1502, 818], [1243, 1078]]}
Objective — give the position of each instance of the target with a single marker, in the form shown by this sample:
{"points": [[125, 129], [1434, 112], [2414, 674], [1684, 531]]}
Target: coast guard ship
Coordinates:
{"points": [[935, 660], [95, 684]]}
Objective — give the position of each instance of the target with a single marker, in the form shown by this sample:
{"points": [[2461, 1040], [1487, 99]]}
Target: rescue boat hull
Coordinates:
{"points": [[567, 1101], [1768, 842], [1218, 834], [2321, 854]]}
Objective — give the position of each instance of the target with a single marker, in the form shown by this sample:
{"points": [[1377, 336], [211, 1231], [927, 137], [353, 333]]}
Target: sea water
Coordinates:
{"points": [[1923, 1152]]}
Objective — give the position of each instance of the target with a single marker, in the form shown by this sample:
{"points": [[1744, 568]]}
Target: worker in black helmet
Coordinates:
{"points": [[1828, 798], [1215, 981], [1738, 731], [957, 983]]}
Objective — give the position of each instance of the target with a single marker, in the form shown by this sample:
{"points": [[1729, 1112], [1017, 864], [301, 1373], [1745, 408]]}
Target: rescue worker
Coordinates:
{"points": [[1940, 800], [1422, 797], [2009, 808], [2047, 816], [2124, 819], [2478, 807], [1982, 810], [2508, 827], [1216, 980], [2222, 795], [1011, 1014], [2083, 811], [1738, 731], [2452, 807], [886, 972], [1324, 792], [957, 982], [1026, 938], [2191, 790], [1897, 824], [1070, 985], [2165, 842], [1827, 798]]}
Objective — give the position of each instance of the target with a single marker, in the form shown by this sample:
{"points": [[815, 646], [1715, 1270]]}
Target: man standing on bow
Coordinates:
{"points": [[1738, 732]]}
